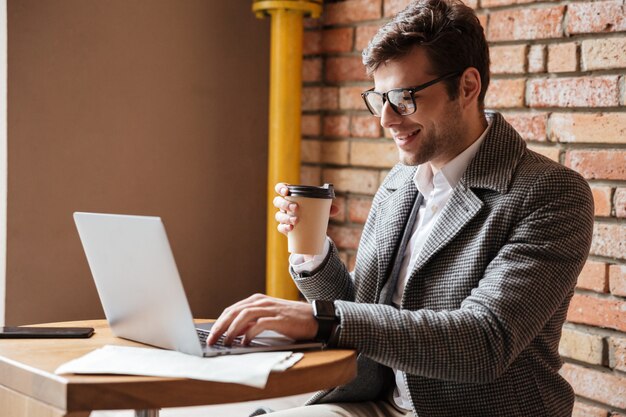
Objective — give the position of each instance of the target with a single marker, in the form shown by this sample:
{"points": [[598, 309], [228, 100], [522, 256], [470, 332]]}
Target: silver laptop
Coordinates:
{"points": [[141, 292]]}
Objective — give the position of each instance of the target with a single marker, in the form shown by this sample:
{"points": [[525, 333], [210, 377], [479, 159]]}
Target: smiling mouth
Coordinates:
{"points": [[406, 137]]}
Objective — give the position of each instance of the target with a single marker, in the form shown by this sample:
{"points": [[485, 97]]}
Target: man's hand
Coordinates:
{"points": [[287, 214], [260, 312]]}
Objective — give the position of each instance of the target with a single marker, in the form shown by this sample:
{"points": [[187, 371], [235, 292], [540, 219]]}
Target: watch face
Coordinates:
{"points": [[324, 309]]}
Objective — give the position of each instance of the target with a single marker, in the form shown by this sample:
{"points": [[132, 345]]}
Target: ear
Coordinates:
{"points": [[469, 87]]}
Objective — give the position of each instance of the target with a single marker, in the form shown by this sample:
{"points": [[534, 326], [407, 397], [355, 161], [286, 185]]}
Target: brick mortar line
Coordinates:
{"points": [[586, 401], [539, 3], [608, 183], [539, 111], [493, 76], [605, 217], [615, 221], [384, 19], [565, 38], [622, 109], [602, 295], [577, 146], [594, 330], [608, 408], [326, 165], [478, 10], [564, 146], [612, 261], [517, 109], [600, 368], [578, 37], [608, 260], [599, 182], [559, 75]]}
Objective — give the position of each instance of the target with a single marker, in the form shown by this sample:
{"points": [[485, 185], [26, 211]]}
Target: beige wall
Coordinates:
{"points": [[3, 151], [154, 107]]}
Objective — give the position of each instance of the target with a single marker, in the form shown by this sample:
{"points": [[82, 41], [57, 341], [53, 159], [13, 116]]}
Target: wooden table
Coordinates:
{"points": [[29, 387]]}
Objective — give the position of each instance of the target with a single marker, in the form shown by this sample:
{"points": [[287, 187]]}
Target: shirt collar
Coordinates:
{"points": [[427, 177]]}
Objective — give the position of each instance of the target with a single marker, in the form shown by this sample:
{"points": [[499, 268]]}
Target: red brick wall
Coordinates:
{"points": [[559, 77]]}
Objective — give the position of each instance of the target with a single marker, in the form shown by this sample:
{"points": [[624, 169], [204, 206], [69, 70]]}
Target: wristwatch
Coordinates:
{"points": [[327, 320]]}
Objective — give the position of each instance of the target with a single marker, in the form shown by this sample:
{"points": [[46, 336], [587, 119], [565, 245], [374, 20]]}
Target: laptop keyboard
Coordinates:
{"points": [[219, 345]]}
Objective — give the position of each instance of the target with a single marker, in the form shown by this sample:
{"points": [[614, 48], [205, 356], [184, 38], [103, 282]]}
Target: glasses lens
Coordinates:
{"points": [[374, 102], [402, 101]]}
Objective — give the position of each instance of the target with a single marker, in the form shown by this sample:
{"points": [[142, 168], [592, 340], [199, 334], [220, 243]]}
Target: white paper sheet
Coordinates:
{"points": [[251, 369]]}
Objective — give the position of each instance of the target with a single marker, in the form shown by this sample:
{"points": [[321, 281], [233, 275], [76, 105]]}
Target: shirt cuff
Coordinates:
{"points": [[299, 265]]}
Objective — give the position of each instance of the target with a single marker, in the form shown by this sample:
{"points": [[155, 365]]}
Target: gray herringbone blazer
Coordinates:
{"points": [[479, 326]]}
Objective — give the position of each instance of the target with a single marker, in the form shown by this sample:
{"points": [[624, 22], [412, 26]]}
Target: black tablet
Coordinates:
{"points": [[25, 332]]}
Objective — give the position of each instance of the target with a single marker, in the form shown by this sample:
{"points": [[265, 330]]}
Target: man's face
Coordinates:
{"points": [[433, 133]]}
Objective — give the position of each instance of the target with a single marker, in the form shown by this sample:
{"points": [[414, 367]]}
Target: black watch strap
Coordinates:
{"points": [[327, 320]]}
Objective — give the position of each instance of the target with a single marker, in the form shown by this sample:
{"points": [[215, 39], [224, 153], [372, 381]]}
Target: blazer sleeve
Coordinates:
{"points": [[529, 281], [331, 281]]}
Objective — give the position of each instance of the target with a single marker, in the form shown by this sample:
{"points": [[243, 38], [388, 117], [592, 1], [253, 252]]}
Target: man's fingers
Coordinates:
{"points": [[285, 218], [281, 188], [285, 228], [284, 205], [244, 321], [260, 312], [262, 324], [230, 313]]}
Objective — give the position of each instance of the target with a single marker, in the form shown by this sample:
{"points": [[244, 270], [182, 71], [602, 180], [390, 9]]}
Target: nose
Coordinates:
{"points": [[388, 117]]}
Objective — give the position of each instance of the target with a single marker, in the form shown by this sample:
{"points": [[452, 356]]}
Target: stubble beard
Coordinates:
{"points": [[426, 150], [435, 143]]}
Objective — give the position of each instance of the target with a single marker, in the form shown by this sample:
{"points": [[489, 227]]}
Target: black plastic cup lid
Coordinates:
{"points": [[310, 191]]}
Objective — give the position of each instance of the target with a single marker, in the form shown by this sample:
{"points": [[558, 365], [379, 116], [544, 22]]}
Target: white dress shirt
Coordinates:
{"points": [[436, 187]]}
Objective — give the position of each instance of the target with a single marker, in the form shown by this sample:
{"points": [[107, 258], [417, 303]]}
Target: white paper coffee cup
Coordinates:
{"points": [[309, 234]]}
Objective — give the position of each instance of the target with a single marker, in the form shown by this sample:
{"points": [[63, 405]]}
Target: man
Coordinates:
{"points": [[469, 256]]}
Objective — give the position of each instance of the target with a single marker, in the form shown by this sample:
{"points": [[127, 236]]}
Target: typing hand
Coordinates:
{"points": [[260, 312]]}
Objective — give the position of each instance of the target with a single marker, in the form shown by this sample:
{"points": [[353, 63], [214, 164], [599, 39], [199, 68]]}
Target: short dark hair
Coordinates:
{"points": [[447, 30]]}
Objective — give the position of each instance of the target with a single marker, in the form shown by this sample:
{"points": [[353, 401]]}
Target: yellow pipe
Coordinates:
{"points": [[284, 124]]}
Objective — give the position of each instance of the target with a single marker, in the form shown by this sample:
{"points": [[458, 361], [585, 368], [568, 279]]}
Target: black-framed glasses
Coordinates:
{"points": [[401, 100]]}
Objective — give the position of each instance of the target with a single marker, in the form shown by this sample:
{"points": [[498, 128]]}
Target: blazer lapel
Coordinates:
{"points": [[492, 168], [393, 214], [461, 208]]}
